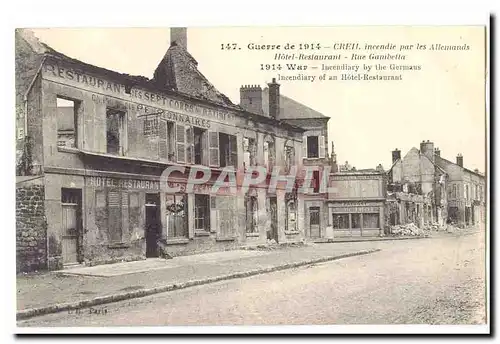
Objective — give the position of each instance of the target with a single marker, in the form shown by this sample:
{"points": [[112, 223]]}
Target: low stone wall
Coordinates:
{"points": [[31, 228]]}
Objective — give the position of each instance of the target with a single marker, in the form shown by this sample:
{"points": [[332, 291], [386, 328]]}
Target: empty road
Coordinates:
{"points": [[431, 281]]}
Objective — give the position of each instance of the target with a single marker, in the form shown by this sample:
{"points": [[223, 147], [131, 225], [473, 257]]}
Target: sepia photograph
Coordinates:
{"points": [[251, 176]]}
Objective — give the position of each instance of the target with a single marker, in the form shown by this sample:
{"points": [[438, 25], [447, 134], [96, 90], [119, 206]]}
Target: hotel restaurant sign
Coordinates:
{"points": [[104, 87]]}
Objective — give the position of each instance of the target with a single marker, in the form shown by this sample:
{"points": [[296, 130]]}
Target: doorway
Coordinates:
{"points": [[314, 222], [273, 206], [71, 203], [153, 224]]}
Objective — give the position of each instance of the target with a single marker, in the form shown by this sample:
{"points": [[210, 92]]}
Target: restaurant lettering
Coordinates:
{"points": [[104, 182], [135, 94]]}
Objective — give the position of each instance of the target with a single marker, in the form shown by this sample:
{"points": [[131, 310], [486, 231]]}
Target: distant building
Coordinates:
{"points": [[424, 188]]}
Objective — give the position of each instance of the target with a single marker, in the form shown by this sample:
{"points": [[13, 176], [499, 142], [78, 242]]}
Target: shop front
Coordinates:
{"points": [[356, 218]]}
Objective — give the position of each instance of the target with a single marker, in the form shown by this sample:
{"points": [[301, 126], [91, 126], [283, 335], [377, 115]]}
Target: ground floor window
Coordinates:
{"points": [[202, 212], [224, 208], [371, 221], [356, 220], [291, 215], [176, 216], [341, 221], [251, 214]]}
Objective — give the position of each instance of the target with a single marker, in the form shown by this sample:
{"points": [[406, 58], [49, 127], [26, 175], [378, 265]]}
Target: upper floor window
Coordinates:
{"points": [[314, 146], [269, 153], [249, 152], [289, 157], [228, 153], [115, 132], [67, 119]]}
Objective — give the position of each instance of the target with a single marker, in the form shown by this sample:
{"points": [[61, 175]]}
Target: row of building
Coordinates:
{"points": [[93, 144]]}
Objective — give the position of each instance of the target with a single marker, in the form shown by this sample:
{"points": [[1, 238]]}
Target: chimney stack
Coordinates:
{"points": [[460, 160], [427, 149], [178, 35], [396, 155], [251, 98], [274, 99], [437, 152]]}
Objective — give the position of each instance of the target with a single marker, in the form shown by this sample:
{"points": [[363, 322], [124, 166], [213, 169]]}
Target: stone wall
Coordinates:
{"points": [[31, 243]]}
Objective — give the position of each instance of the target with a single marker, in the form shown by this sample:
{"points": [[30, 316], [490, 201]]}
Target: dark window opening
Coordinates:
{"points": [[199, 139], [341, 221], [202, 213], [115, 131], [67, 119], [355, 220], [316, 181], [312, 147], [314, 216], [228, 150], [251, 214]]}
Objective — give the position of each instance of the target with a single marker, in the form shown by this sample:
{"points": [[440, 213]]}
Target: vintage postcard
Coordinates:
{"points": [[222, 176]]}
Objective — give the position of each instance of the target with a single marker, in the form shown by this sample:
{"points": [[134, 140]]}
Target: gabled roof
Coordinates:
{"points": [[289, 108], [426, 157], [178, 70], [452, 163]]}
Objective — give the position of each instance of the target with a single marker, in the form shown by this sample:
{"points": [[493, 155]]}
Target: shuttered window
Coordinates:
{"points": [[163, 142], [213, 147], [189, 145], [180, 134], [321, 145], [226, 216]]}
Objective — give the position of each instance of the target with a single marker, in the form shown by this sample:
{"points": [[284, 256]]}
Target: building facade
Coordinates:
{"points": [[424, 188], [356, 207], [100, 143], [466, 192], [314, 154]]}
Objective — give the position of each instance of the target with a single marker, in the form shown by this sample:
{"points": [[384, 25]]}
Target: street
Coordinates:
{"points": [[434, 281]]}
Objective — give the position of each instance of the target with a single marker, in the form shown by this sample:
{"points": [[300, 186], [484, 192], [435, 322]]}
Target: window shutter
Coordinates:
{"points": [[214, 214], [162, 145], [213, 148], [180, 135], [321, 145], [304, 146], [189, 145], [233, 146]]}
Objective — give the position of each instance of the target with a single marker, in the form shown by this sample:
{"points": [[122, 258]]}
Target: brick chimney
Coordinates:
{"points": [[427, 149], [179, 36], [437, 152], [460, 160], [274, 99], [251, 98], [396, 155]]}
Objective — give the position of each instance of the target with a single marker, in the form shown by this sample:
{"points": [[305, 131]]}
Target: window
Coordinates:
{"points": [[249, 152], [316, 181], [289, 157], [112, 210], [251, 214], [371, 221], [313, 146], [199, 146], [269, 153], [341, 221], [228, 150], [176, 216], [67, 119], [224, 209], [355, 220], [291, 215], [466, 191], [202, 213], [115, 132]]}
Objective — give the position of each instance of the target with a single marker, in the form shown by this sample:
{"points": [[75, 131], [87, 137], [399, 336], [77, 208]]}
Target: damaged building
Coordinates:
{"points": [[314, 152], [424, 188], [93, 144]]}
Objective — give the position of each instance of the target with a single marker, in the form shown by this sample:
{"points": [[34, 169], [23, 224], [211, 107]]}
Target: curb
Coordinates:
{"points": [[33, 312], [388, 238]]}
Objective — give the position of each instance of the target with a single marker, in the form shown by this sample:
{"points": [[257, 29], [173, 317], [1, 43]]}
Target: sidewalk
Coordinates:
{"points": [[88, 286]]}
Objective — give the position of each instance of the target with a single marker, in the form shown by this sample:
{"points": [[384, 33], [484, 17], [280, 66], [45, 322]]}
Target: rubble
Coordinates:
{"points": [[409, 229]]}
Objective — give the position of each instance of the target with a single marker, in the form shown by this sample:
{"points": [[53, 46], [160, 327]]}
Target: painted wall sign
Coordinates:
{"points": [[356, 210], [104, 182], [356, 203], [354, 177], [81, 79]]}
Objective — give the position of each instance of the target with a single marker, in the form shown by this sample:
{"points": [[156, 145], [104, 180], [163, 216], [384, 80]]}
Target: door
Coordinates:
{"points": [[314, 222], [70, 229], [153, 224], [273, 207]]}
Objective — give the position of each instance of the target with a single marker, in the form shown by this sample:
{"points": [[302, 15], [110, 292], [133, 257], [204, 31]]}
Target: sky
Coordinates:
{"points": [[443, 102]]}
